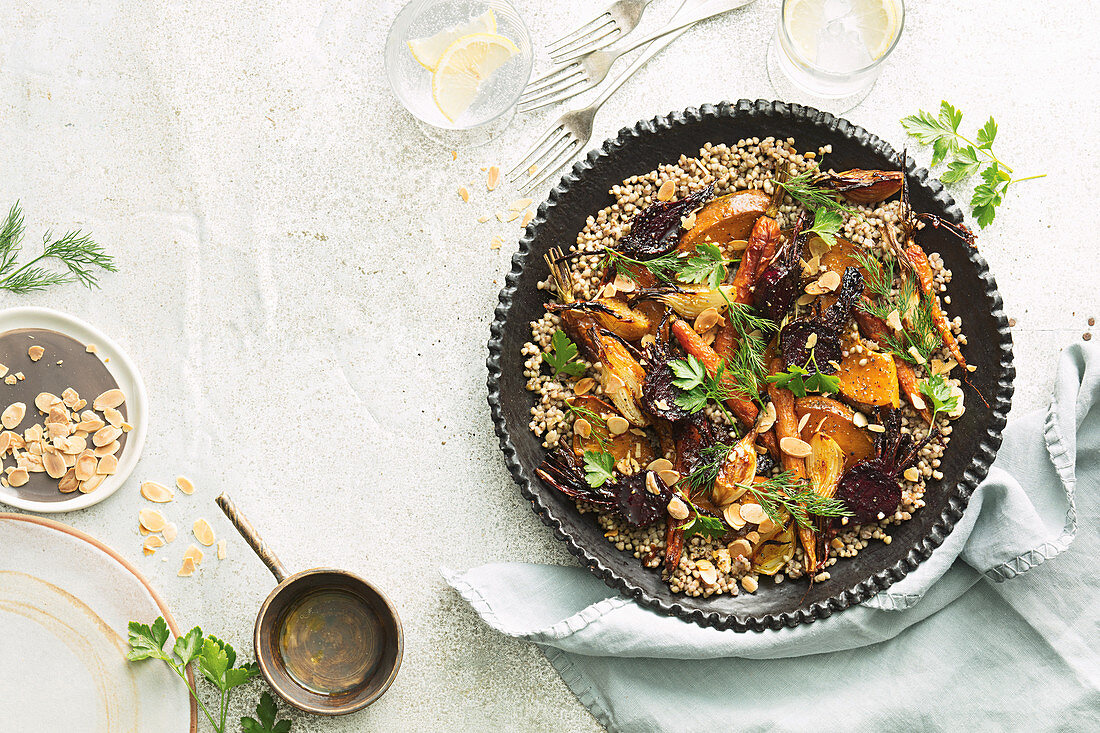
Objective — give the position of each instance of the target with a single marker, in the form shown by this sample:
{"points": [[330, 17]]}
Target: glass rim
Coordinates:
{"points": [[789, 43]]}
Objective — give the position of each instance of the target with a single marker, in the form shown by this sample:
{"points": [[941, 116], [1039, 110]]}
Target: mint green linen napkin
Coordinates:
{"points": [[949, 647]]}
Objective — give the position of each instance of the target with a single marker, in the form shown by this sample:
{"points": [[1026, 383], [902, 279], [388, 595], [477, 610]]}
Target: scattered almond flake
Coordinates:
{"points": [[194, 553], [3, 370], [483, 218], [514, 215], [20, 376], [221, 550], [454, 155], [68, 483], [464, 193], [10, 379], [156, 492], [185, 485], [170, 531], [666, 191], [500, 216], [496, 242], [875, 428], [520, 204], [187, 569], [70, 397], [151, 543], [532, 170], [143, 532], [91, 348], [493, 179], [44, 401], [126, 427], [152, 519], [35, 352], [527, 217], [54, 465], [110, 398], [204, 533]]}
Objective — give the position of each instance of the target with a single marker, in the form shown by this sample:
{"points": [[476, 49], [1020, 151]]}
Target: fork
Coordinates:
{"points": [[616, 20], [581, 72]]}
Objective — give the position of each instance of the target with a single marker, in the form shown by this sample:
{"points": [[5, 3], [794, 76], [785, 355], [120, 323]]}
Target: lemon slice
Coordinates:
{"points": [[465, 64], [428, 51], [878, 24], [804, 19]]}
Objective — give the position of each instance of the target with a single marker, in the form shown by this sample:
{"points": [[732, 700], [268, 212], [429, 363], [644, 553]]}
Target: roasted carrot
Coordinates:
{"points": [[923, 269], [876, 330]]}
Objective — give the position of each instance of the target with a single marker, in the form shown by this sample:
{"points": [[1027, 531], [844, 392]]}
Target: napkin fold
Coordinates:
{"points": [[949, 646]]}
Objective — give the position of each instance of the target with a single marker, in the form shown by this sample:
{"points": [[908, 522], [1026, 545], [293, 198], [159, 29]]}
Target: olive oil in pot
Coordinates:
{"points": [[330, 641]]}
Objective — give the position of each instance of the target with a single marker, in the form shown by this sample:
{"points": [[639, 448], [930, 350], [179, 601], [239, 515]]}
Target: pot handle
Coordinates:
{"points": [[251, 536]]}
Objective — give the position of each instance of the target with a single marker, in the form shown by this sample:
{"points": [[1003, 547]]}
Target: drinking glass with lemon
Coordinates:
{"points": [[459, 66]]}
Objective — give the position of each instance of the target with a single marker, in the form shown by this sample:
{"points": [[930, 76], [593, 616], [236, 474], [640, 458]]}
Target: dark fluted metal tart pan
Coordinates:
{"points": [[975, 438]]}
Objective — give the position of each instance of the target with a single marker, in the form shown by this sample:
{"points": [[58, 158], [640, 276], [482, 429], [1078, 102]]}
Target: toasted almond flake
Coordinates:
{"points": [[707, 320], [204, 533], [170, 531], [126, 427], [483, 218], [802, 423], [13, 415], [624, 284], [153, 491], [766, 418], [221, 550], [875, 428], [584, 386], [520, 204], [749, 583], [187, 569], [893, 320], [493, 178], [740, 548], [35, 352], [753, 513], [194, 553], [609, 291], [829, 281], [151, 543], [18, 477], [915, 353], [617, 425], [666, 191], [527, 217], [732, 515], [971, 367], [54, 465], [464, 193], [500, 216], [20, 376], [110, 398], [532, 170], [912, 474], [918, 402], [811, 340], [707, 572], [58, 414], [106, 450], [496, 242], [105, 435], [114, 417], [859, 420], [669, 476], [651, 483], [454, 155], [91, 348], [582, 427], [10, 379], [152, 519], [677, 509], [68, 483], [44, 401], [660, 464], [794, 447], [85, 466], [3, 370], [70, 397], [185, 485], [688, 222], [75, 444], [614, 384], [767, 526], [107, 465]]}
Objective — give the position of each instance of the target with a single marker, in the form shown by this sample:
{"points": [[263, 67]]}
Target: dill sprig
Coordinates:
{"points": [[920, 333], [705, 265], [80, 255], [786, 493], [593, 419], [702, 479], [803, 188]]}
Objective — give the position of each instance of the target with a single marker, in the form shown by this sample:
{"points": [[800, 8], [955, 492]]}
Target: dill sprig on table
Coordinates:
{"points": [[80, 255]]}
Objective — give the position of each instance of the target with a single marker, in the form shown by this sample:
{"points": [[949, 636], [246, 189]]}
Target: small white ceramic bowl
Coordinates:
{"points": [[124, 373]]}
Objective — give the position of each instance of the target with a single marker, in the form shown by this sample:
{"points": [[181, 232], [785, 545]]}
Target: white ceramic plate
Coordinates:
{"points": [[125, 375], [65, 602]]}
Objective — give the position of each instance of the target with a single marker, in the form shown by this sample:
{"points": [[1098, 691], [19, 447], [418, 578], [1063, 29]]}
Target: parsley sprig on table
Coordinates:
{"points": [[265, 722], [80, 255], [561, 355], [965, 157], [217, 662]]}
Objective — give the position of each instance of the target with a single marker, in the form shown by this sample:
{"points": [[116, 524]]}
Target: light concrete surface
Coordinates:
{"points": [[309, 299]]}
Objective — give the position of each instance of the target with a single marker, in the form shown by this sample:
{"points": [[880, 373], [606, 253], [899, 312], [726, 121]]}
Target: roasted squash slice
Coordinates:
{"points": [[870, 378], [727, 218], [601, 439], [836, 420]]}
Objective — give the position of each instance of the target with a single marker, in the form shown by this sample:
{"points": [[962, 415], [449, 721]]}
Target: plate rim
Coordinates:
{"points": [[971, 476], [129, 566], [48, 318]]}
